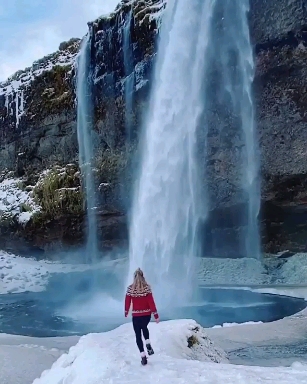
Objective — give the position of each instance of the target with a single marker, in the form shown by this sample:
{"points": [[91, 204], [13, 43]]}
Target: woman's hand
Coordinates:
{"points": [[157, 320]]}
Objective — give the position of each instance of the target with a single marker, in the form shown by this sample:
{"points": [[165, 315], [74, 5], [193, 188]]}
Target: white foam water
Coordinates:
{"points": [[167, 206]]}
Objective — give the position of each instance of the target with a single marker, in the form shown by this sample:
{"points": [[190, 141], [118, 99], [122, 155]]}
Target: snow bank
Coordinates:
{"points": [[112, 357], [15, 202], [231, 271], [294, 271]]}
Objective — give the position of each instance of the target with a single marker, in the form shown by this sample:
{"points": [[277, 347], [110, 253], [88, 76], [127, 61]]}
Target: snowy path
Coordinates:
{"points": [[111, 358]]}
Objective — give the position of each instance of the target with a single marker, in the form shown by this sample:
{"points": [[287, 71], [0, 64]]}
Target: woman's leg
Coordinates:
{"points": [[145, 322], [146, 335], [137, 326]]}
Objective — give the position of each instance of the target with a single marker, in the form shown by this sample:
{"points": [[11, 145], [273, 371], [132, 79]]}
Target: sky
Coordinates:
{"points": [[31, 29]]}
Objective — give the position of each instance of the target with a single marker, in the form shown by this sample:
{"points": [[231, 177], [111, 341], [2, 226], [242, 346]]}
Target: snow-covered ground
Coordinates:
{"points": [[101, 360], [112, 357], [22, 359], [232, 271], [19, 274], [16, 202]]}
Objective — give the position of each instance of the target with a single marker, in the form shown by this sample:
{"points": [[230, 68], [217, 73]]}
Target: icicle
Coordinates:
{"points": [[16, 109]]}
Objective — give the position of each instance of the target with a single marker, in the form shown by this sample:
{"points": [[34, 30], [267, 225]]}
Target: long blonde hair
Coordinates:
{"points": [[139, 281]]}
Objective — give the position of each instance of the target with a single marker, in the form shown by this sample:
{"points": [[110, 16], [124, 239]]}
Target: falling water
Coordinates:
{"points": [[129, 74], [167, 207], [84, 129], [237, 69]]}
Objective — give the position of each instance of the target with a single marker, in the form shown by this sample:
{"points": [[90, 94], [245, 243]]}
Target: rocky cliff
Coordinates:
{"points": [[38, 128]]}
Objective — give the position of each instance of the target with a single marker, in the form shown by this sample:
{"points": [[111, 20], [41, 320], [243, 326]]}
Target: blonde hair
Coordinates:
{"points": [[139, 281]]}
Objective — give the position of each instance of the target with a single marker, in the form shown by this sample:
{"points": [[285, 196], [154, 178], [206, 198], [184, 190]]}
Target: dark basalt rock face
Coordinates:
{"points": [[38, 123]]}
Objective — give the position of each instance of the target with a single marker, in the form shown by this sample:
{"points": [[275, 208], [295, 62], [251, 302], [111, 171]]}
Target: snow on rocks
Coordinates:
{"points": [[14, 88], [21, 79], [294, 270], [222, 271], [15, 202], [112, 357]]}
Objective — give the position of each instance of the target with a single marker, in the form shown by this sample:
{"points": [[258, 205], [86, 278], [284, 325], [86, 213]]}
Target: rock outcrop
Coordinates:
{"points": [[38, 123]]}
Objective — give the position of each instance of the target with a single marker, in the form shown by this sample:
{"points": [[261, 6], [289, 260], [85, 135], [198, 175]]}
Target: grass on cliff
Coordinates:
{"points": [[51, 92], [59, 193], [114, 166]]}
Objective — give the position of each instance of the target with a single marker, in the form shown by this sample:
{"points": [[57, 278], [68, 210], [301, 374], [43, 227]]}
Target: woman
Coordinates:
{"points": [[143, 305]]}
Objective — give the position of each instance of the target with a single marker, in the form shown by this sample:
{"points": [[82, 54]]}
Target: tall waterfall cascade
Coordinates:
{"points": [[233, 55], [167, 204], [170, 199], [84, 129]]}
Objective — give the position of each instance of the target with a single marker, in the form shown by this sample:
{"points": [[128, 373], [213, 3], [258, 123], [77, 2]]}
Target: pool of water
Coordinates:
{"points": [[79, 303]]}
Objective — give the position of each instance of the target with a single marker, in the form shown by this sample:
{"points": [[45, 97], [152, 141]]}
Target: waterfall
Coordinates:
{"points": [[250, 181], [84, 130], [167, 206], [234, 57], [129, 76]]}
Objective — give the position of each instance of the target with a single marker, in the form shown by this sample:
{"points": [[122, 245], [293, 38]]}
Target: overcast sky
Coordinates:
{"points": [[30, 29]]}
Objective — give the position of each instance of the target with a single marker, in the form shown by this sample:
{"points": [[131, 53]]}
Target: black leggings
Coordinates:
{"points": [[140, 324]]}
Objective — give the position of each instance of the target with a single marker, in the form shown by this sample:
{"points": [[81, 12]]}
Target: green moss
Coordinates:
{"points": [[58, 193]]}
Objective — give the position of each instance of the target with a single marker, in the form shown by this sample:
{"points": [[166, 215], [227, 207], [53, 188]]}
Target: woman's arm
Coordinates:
{"points": [[152, 305], [127, 304]]}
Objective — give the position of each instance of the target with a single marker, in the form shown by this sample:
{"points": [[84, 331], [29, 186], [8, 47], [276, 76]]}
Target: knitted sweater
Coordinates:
{"points": [[143, 303]]}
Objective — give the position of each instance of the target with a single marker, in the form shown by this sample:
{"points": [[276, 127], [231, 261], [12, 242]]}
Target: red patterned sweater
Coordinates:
{"points": [[143, 303]]}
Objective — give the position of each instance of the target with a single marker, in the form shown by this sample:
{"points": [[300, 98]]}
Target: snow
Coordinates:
{"points": [[20, 274], [24, 358], [22, 79], [14, 87], [15, 202], [294, 271], [229, 325], [112, 357], [215, 271], [154, 8]]}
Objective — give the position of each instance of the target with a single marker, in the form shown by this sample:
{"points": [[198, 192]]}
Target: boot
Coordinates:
{"points": [[144, 360], [149, 349]]}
